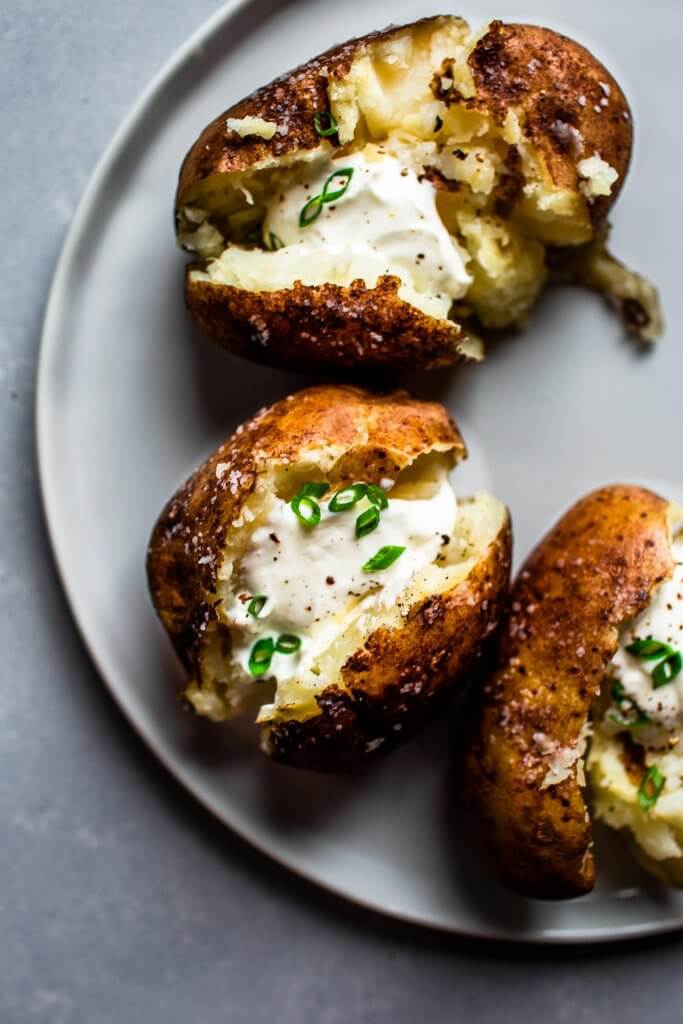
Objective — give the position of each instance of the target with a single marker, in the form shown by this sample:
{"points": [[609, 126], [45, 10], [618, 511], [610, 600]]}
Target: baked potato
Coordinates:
{"points": [[373, 207], [317, 570], [587, 683]]}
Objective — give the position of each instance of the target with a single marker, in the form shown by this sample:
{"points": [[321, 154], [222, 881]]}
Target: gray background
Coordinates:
{"points": [[120, 899]]}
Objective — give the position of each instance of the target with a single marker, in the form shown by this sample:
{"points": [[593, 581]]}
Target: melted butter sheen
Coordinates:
{"points": [[313, 577], [662, 620], [386, 221]]}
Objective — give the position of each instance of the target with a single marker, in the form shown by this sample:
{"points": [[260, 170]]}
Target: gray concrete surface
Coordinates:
{"points": [[120, 900]]}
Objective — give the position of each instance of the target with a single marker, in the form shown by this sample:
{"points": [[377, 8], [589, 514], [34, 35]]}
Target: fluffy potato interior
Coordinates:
{"points": [[618, 764], [225, 689], [495, 195]]}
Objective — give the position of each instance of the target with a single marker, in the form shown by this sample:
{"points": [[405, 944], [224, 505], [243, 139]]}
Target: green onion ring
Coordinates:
{"points": [[367, 522], [261, 656], [318, 122], [287, 643], [650, 788]]}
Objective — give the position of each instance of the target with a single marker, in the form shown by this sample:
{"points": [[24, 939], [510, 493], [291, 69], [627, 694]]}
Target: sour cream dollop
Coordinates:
{"points": [[662, 620], [313, 577], [386, 221]]}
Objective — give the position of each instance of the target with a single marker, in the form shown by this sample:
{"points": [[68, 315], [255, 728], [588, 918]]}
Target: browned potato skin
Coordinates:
{"points": [[596, 568], [397, 678], [309, 326], [544, 73]]}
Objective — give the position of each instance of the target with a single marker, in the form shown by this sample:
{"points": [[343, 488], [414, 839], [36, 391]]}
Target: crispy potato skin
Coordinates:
{"points": [[596, 568], [401, 677], [325, 326], [544, 74]]}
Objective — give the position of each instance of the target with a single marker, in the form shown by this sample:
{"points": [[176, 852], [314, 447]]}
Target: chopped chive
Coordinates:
{"points": [[666, 670], [255, 606], [438, 123], [367, 522], [347, 497], [306, 510], [261, 656], [649, 648], [288, 643], [343, 172], [377, 496], [274, 242], [385, 557], [650, 788], [310, 211], [314, 490], [325, 131]]}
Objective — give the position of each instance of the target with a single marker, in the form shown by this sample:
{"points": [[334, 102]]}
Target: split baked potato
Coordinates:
{"points": [[366, 209], [588, 688], [318, 571]]}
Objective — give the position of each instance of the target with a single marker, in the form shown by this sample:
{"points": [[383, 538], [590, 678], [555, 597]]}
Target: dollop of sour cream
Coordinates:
{"points": [[660, 706], [313, 577], [385, 222]]}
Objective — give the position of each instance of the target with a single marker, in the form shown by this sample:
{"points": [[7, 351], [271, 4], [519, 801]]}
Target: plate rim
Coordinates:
{"points": [[48, 349]]}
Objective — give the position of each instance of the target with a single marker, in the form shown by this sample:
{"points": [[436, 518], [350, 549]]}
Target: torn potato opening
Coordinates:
{"points": [[635, 760], [458, 207], [303, 584]]}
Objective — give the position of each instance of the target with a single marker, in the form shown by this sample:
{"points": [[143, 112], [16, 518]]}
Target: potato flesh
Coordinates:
{"points": [[387, 98], [225, 690]]}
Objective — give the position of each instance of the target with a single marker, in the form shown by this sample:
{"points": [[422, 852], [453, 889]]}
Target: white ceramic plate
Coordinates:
{"points": [[130, 399]]}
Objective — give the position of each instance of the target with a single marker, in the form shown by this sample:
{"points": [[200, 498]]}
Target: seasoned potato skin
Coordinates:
{"points": [[544, 74], [396, 678], [596, 568], [309, 327]]}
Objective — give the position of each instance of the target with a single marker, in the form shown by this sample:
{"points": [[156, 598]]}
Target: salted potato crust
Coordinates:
{"points": [[595, 569], [382, 678], [525, 135]]}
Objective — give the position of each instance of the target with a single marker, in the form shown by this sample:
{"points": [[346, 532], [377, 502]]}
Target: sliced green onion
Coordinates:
{"points": [[667, 669], [331, 128], [619, 697], [287, 643], [367, 522], [311, 211], [343, 172], [314, 490], [649, 648], [628, 723], [274, 242], [255, 606], [377, 496], [261, 656], [347, 497], [306, 510], [650, 788], [385, 557]]}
